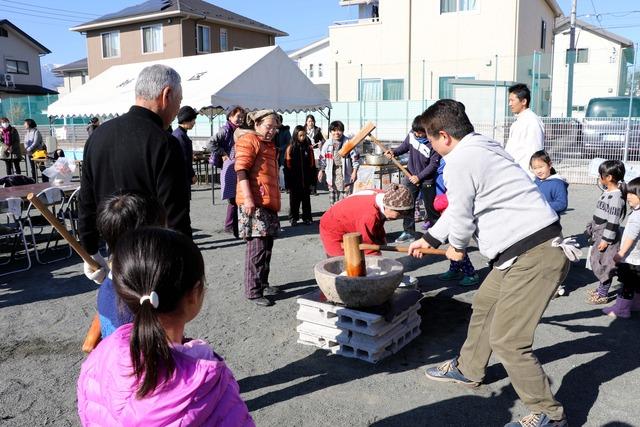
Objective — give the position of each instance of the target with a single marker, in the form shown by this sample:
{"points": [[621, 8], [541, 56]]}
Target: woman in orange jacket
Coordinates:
{"points": [[258, 196]]}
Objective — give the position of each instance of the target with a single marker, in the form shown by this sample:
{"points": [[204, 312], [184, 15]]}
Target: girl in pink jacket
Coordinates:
{"points": [[146, 373]]}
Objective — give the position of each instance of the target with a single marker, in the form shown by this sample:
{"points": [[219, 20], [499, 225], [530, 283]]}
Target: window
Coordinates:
{"points": [[319, 70], [224, 43], [110, 44], [17, 67], [204, 40], [4, 33], [379, 89], [311, 70], [543, 35], [445, 87], [393, 90], [582, 56], [445, 90], [152, 39], [449, 6]]}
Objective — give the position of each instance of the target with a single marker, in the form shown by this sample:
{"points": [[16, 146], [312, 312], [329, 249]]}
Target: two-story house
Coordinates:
{"points": [[159, 29], [600, 69], [313, 60], [73, 74], [420, 49], [20, 73]]}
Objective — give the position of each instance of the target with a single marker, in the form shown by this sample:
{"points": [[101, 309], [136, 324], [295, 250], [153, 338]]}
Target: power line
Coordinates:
{"points": [[51, 8], [77, 21], [30, 11]]}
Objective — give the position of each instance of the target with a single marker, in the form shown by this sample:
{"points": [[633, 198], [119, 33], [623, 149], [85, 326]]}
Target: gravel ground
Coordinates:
{"points": [[591, 359]]}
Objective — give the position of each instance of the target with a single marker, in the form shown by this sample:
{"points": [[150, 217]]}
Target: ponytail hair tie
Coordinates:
{"points": [[152, 298]]}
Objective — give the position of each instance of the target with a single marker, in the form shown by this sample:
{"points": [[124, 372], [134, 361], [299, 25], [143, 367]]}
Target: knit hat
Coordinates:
{"points": [[186, 114], [256, 116], [398, 198]]}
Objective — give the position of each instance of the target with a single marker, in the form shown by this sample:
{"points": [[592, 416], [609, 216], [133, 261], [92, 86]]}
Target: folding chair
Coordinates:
{"points": [[13, 230], [53, 199], [69, 213]]}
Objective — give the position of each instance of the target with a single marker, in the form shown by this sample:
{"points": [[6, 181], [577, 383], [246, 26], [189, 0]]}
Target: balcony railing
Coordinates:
{"points": [[358, 21]]}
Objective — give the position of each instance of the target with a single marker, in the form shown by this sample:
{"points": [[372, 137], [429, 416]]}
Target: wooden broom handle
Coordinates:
{"points": [[426, 251], [393, 159], [63, 231]]}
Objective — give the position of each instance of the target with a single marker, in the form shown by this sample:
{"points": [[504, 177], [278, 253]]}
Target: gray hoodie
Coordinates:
{"points": [[491, 199]]}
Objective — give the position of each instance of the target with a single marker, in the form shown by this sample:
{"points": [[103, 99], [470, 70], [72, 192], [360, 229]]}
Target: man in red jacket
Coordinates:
{"points": [[364, 212]]}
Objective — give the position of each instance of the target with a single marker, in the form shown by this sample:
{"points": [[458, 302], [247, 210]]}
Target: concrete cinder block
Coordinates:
{"points": [[346, 318], [319, 342], [374, 356]]}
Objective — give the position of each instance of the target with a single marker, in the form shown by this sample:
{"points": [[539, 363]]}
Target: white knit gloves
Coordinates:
{"points": [[100, 274]]}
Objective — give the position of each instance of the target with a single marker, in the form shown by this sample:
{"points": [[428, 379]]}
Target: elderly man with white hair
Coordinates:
{"points": [[135, 153]]}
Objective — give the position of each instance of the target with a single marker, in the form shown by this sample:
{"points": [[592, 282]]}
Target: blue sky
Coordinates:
{"points": [[305, 20]]}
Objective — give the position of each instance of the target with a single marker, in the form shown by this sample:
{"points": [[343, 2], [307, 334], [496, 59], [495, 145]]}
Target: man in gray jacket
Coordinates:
{"points": [[493, 200]]}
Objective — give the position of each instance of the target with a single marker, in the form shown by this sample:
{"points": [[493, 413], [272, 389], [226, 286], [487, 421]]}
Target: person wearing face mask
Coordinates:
{"points": [[423, 166], [258, 195], [10, 140]]}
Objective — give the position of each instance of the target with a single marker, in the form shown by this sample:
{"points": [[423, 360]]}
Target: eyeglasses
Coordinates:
{"points": [[268, 127]]}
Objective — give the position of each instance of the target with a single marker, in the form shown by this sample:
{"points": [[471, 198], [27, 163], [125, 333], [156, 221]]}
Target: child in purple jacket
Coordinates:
{"points": [[146, 372]]}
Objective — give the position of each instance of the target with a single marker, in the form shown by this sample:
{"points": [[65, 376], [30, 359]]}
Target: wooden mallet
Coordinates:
{"points": [[393, 159], [426, 251], [93, 334], [357, 139], [354, 263]]}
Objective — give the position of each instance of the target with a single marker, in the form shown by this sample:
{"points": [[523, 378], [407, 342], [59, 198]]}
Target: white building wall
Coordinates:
{"points": [[317, 60], [461, 44], [600, 76], [72, 81], [15, 47]]}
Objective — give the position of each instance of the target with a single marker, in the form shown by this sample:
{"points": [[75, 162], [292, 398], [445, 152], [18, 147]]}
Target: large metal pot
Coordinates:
{"points": [[376, 159]]}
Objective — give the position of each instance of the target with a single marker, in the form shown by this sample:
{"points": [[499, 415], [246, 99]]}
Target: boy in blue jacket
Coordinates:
{"points": [[423, 166]]}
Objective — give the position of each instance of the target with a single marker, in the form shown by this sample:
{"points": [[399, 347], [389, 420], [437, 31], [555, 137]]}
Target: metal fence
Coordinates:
{"points": [[571, 143]]}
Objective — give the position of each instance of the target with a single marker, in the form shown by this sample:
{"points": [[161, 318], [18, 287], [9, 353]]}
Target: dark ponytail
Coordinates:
{"points": [[616, 169], [146, 261]]}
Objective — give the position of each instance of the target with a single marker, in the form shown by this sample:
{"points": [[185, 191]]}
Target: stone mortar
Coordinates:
{"points": [[364, 291]]}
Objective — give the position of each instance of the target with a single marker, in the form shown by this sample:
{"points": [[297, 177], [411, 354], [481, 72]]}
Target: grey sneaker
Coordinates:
{"points": [[449, 372], [405, 237], [537, 420]]}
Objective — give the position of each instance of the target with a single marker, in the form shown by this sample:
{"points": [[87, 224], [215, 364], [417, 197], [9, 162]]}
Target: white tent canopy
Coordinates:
{"points": [[251, 78]]}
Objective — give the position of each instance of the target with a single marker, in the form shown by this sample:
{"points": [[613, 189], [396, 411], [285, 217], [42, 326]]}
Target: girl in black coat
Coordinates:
{"points": [[299, 173]]}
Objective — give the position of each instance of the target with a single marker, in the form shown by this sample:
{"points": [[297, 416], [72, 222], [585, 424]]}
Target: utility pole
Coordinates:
{"points": [[631, 88], [571, 57]]}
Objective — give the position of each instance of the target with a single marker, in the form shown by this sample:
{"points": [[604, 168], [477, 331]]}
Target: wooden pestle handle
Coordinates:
{"points": [[94, 335], [63, 231], [393, 159], [354, 263], [426, 251]]}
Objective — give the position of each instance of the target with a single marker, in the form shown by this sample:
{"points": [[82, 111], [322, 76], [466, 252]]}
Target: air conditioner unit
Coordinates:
{"points": [[8, 80]]}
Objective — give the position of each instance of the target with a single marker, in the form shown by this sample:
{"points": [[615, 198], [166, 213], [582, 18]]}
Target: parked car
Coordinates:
{"points": [[604, 128]]}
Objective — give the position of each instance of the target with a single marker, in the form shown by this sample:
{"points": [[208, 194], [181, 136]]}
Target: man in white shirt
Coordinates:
{"points": [[526, 135]]}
